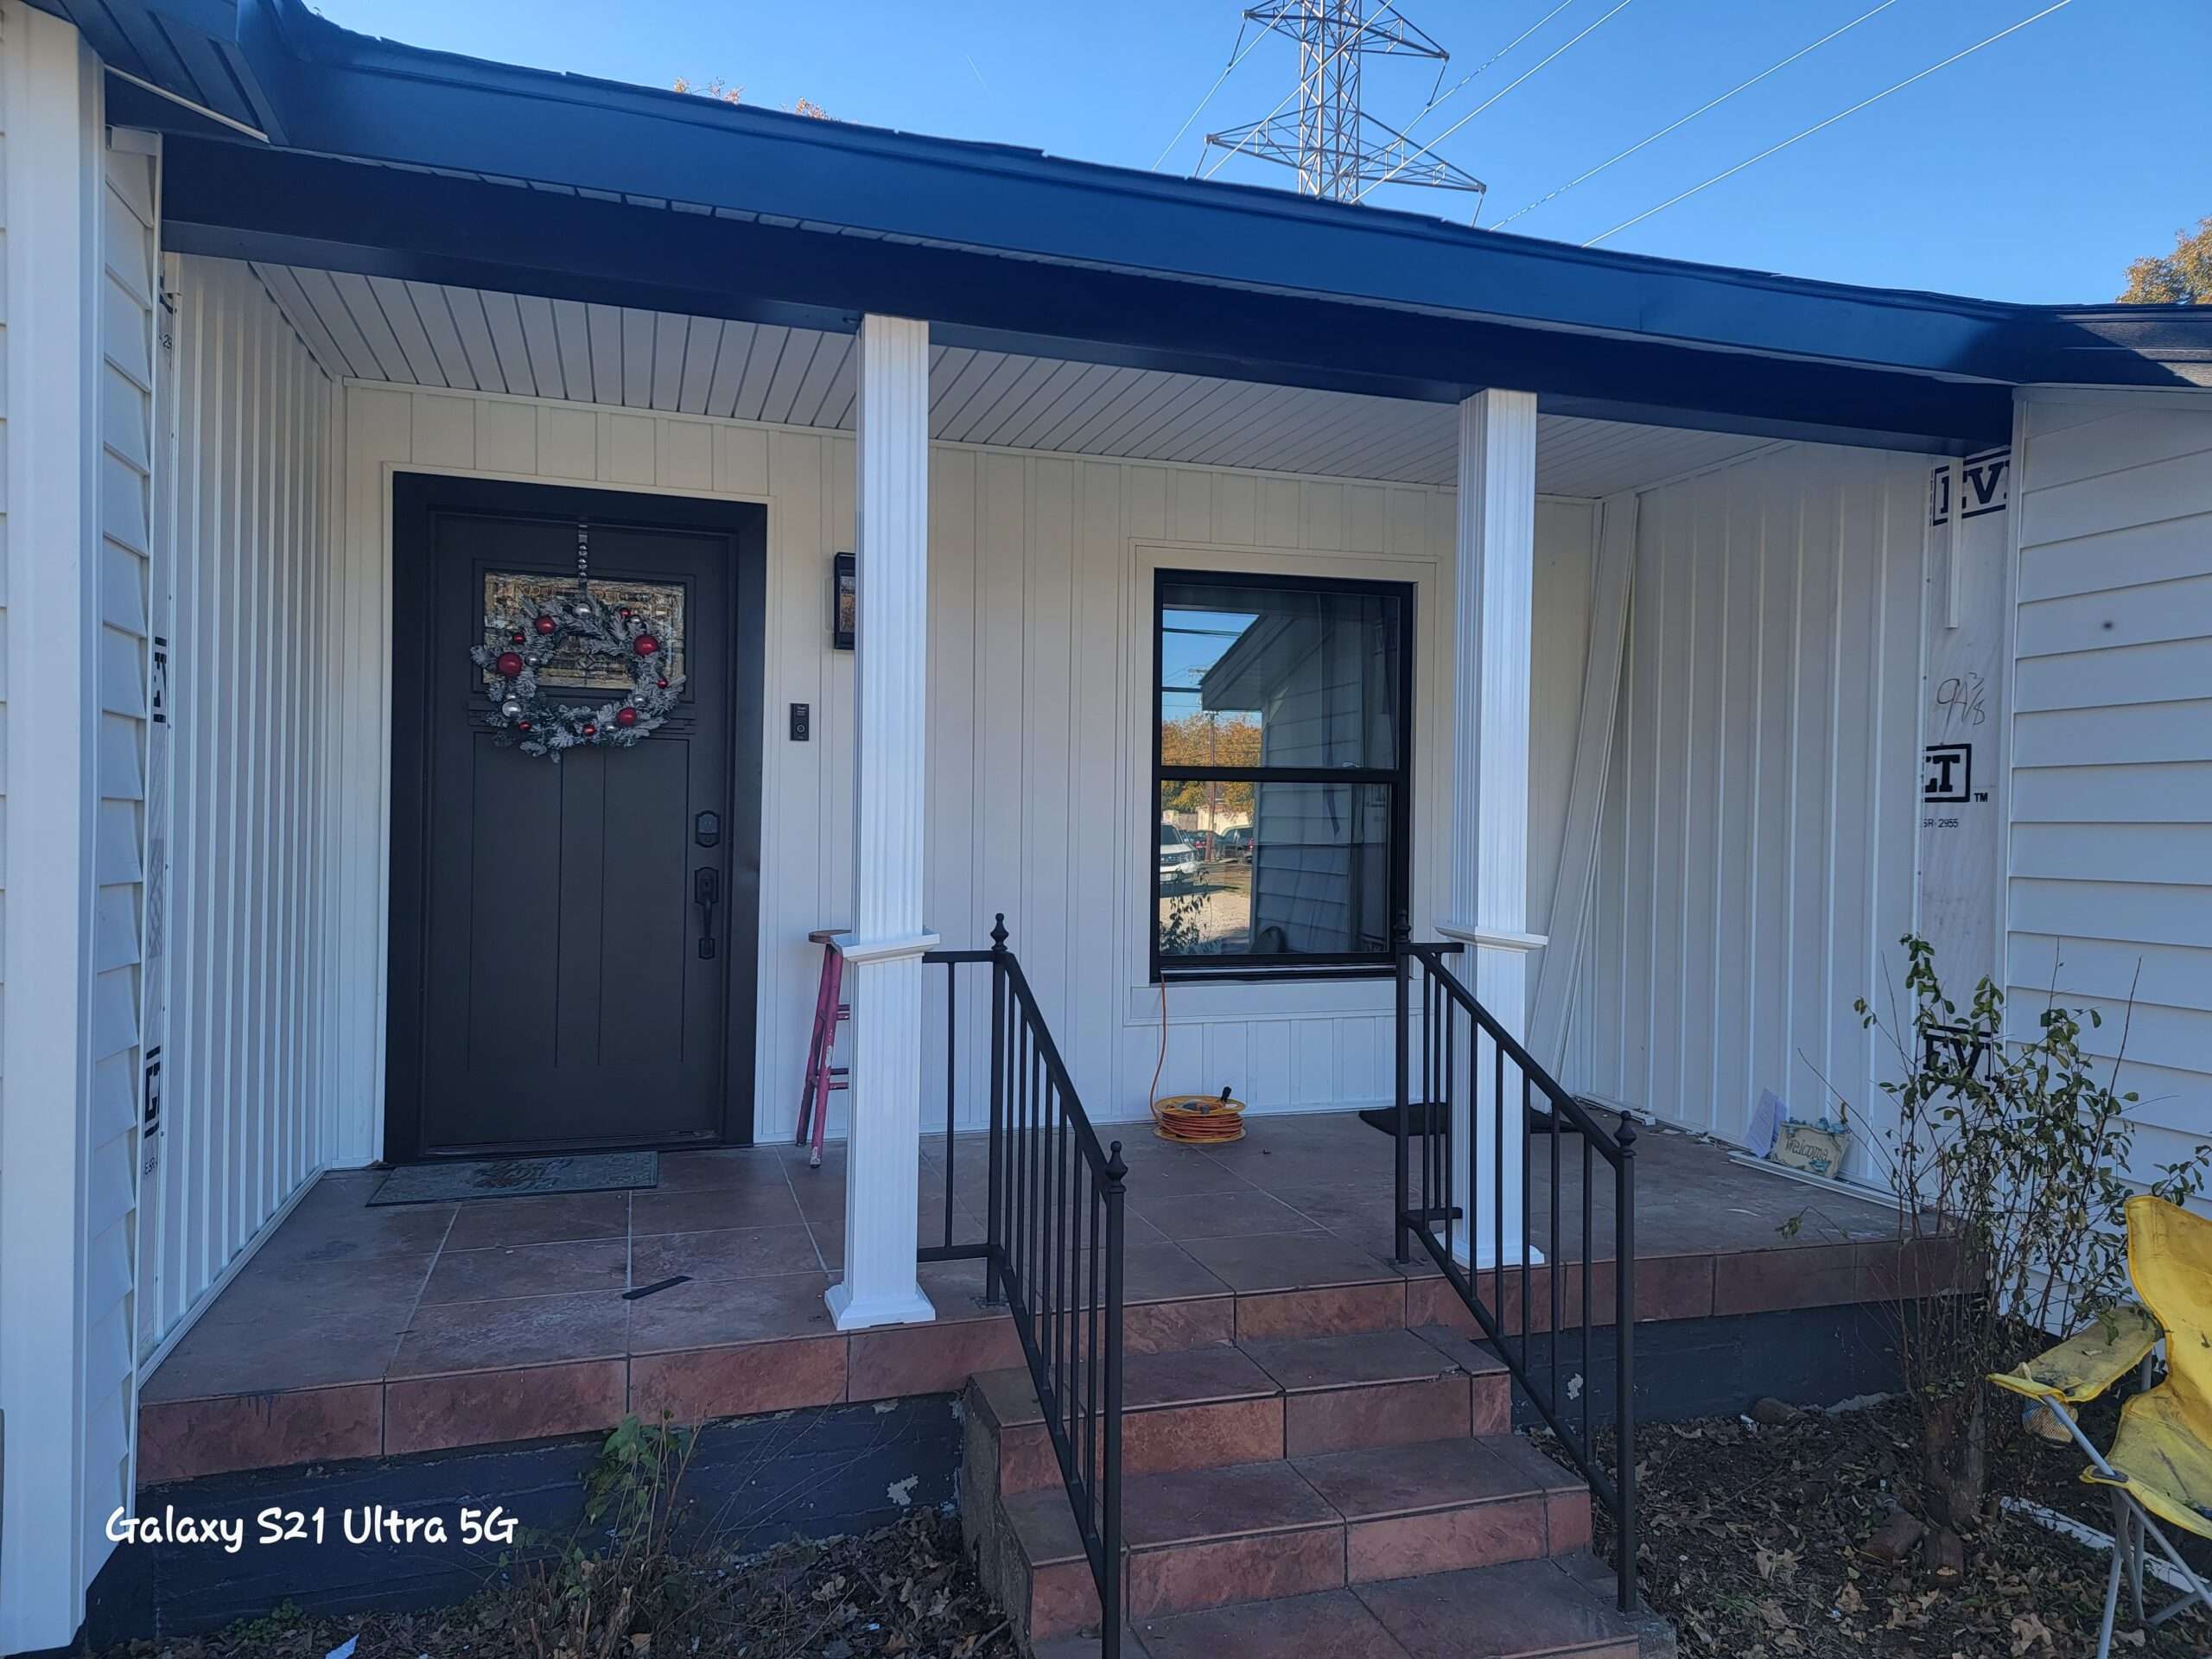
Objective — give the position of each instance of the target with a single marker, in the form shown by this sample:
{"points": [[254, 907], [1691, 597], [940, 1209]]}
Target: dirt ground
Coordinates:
{"points": [[1751, 1540], [901, 1591]]}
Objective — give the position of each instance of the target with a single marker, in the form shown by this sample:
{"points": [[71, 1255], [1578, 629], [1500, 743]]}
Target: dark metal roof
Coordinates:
{"points": [[685, 202]]}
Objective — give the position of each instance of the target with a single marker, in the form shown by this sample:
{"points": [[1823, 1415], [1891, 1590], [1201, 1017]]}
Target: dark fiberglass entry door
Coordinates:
{"points": [[569, 988]]}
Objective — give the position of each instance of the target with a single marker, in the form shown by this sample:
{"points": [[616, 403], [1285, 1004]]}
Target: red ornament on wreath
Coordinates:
{"points": [[546, 625], [645, 645], [626, 716], [510, 665]]}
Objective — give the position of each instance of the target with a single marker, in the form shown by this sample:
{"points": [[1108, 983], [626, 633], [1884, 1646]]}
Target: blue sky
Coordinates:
{"points": [[2033, 170]]}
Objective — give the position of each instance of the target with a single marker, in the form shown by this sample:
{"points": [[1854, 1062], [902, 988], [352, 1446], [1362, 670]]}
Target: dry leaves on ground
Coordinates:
{"points": [[905, 1592], [1750, 1539]]}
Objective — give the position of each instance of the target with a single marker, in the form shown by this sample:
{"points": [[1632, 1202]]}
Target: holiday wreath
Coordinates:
{"points": [[615, 635]]}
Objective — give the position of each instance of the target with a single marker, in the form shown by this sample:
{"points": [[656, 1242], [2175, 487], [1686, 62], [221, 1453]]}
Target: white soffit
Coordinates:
{"points": [[480, 339]]}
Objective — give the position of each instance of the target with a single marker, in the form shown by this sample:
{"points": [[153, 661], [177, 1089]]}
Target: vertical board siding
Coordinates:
{"points": [[2109, 867], [127, 332], [251, 418], [1037, 767], [1756, 850]]}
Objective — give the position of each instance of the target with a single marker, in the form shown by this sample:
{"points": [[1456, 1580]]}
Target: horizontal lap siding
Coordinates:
{"points": [[1756, 858], [246, 511], [125, 519], [1035, 804], [2109, 862]]}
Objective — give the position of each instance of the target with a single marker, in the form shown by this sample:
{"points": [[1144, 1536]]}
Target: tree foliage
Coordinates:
{"points": [[1203, 740], [722, 91], [2011, 1166], [2182, 277]]}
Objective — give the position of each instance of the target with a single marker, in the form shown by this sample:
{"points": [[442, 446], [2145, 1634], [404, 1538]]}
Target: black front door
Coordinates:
{"points": [[557, 980]]}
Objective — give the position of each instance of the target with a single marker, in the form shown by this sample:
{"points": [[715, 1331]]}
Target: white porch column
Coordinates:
{"points": [[1488, 907], [884, 953]]}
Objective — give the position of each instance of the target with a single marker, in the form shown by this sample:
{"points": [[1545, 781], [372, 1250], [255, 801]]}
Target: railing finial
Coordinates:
{"points": [[1116, 1169], [1625, 1136], [1401, 931], [999, 935]]}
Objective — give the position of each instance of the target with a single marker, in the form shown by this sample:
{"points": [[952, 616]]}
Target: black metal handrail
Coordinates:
{"points": [[1052, 1248], [1429, 1200]]}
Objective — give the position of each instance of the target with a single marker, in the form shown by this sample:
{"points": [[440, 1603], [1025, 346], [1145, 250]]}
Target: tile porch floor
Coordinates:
{"points": [[357, 1331]]}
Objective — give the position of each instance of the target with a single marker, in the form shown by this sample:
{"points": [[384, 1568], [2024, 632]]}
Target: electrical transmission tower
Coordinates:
{"points": [[1338, 148]]}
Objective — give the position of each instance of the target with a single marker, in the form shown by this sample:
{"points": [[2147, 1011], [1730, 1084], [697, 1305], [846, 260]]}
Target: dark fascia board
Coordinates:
{"points": [[347, 94], [243, 201], [191, 49]]}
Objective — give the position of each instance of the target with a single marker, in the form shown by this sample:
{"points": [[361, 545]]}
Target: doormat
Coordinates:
{"points": [[514, 1177]]}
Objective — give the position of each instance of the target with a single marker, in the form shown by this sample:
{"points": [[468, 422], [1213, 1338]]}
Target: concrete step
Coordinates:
{"points": [[1264, 1531]]}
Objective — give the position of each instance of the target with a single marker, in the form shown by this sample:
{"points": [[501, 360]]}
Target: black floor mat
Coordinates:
{"points": [[1423, 1114], [512, 1178]]}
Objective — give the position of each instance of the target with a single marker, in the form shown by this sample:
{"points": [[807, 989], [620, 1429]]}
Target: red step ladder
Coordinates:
{"points": [[822, 1079]]}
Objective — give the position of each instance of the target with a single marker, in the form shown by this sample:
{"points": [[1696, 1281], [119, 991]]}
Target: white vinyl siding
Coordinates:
{"points": [[1756, 855], [126, 460], [247, 507], [80, 220], [9, 48], [2109, 859], [1039, 758]]}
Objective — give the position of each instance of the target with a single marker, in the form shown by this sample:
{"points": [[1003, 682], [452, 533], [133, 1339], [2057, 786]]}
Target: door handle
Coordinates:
{"points": [[706, 892]]}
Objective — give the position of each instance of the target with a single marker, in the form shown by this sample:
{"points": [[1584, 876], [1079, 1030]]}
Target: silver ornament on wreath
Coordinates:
{"points": [[612, 637]]}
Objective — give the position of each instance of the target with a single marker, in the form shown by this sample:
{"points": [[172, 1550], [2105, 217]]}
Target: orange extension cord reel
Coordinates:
{"points": [[1198, 1120]]}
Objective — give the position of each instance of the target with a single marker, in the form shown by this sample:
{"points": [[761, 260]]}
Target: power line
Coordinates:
{"points": [[1436, 100], [1621, 6], [1676, 125], [1239, 58], [2059, 5]]}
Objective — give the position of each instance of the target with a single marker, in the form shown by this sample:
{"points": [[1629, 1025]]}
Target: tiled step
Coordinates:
{"points": [[1521, 1610], [1444, 1505], [1188, 1409], [1258, 1532], [1382, 1387], [1210, 1407]]}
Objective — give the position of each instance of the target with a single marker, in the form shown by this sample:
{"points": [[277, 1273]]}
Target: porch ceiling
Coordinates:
{"points": [[482, 340]]}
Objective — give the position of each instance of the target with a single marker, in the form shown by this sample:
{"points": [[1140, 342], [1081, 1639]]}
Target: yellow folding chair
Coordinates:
{"points": [[2161, 1460]]}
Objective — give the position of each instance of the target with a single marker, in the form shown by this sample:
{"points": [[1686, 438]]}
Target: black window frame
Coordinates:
{"points": [[1351, 964]]}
